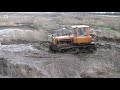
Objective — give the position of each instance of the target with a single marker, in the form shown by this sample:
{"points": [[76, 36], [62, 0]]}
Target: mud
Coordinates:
{"points": [[27, 58], [107, 39], [26, 61]]}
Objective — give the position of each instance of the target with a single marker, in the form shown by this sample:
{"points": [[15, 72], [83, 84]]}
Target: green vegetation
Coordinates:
{"points": [[113, 23], [55, 21]]}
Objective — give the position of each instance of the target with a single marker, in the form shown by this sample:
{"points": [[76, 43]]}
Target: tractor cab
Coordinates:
{"points": [[81, 30]]}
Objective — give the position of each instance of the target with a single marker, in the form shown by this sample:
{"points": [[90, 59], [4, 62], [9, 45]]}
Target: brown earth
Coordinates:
{"points": [[25, 61], [25, 54]]}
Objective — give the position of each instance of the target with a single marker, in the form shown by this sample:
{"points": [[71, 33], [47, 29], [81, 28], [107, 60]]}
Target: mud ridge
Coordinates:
{"points": [[18, 71], [116, 40]]}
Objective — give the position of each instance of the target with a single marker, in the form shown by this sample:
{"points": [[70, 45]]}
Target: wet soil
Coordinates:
{"points": [[26, 61]]}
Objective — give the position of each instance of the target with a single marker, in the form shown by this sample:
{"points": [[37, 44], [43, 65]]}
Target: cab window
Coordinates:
{"points": [[82, 31], [75, 32]]}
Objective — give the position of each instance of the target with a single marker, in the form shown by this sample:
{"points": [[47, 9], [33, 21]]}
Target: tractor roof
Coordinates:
{"points": [[79, 26]]}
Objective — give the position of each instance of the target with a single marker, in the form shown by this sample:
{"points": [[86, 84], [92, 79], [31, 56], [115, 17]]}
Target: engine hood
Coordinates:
{"points": [[63, 37]]}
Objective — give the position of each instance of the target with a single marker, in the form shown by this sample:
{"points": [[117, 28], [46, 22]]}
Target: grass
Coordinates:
{"points": [[107, 24], [43, 22]]}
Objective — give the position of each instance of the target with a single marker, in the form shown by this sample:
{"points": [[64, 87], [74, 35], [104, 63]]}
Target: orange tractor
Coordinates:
{"points": [[79, 40]]}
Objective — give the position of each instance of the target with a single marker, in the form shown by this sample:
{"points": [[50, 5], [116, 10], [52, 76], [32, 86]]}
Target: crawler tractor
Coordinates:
{"points": [[79, 41]]}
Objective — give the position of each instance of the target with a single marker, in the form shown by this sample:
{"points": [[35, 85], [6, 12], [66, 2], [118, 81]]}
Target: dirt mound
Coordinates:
{"points": [[116, 40], [17, 71], [8, 35]]}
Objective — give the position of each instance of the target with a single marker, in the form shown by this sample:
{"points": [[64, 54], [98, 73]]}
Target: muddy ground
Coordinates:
{"points": [[22, 58], [27, 61], [24, 50]]}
